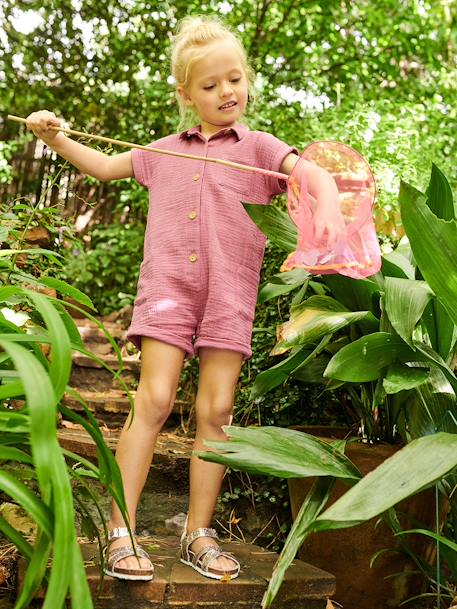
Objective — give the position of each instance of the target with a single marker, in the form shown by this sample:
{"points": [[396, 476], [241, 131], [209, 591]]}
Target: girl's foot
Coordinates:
{"points": [[120, 559], [200, 551]]}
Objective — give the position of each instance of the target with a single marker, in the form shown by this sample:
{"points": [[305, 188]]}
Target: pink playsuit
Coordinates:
{"points": [[202, 253]]}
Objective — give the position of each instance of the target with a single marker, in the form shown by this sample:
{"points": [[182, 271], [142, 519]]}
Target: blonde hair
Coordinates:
{"points": [[193, 34]]}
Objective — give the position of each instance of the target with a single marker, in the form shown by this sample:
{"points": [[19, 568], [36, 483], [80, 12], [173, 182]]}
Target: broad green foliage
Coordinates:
{"points": [[403, 365], [383, 73], [260, 450], [108, 270], [392, 332], [37, 338]]}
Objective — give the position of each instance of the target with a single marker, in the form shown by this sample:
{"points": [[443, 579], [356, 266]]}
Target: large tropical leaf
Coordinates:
{"points": [[366, 358], [439, 194], [404, 302], [431, 406], [413, 468], [275, 451], [313, 319], [401, 377], [396, 264], [274, 376], [275, 224], [434, 244], [282, 283], [313, 504], [355, 294]]}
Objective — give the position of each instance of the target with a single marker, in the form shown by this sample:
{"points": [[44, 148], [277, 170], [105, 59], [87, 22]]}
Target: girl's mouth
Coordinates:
{"points": [[228, 105]]}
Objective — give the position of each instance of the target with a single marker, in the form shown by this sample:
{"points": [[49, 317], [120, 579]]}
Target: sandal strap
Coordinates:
{"points": [[202, 532], [119, 532], [118, 554], [212, 550]]}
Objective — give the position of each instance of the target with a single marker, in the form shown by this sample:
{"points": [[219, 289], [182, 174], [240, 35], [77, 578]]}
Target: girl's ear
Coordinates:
{"points": [[184, 95]]}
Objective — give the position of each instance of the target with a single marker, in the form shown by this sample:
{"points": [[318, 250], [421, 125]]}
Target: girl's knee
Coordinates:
{"points": [[154, 403], [216, 412]]}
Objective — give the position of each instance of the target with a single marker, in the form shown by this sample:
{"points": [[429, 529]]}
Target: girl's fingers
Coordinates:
{"points": [[40, 122]]}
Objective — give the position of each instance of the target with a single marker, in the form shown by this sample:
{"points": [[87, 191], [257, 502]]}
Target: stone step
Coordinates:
{"points": [[176, 585]]}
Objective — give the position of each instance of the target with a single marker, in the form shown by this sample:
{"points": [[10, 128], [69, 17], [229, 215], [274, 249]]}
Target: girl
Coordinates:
{"points": [[198, 282]]}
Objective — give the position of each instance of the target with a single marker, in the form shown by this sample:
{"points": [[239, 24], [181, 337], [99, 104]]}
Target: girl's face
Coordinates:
{"points": [[218, 88]]}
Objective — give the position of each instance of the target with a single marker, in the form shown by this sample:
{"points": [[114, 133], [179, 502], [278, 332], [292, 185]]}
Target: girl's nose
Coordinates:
{"points": [[226, 89]]}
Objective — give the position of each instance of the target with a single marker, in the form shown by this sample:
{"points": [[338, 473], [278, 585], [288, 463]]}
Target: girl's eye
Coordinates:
{"points": [[235, 80], [208, 87]]}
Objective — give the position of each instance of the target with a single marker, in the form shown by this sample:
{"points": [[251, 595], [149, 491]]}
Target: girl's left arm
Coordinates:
{"points": [[328, 220]]}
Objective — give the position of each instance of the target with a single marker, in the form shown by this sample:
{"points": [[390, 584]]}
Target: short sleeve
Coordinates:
{"points": [[274, 151], [143, 166]]}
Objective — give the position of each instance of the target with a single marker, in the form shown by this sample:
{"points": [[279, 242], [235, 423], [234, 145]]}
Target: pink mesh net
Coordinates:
{"points": [[355, 252]]}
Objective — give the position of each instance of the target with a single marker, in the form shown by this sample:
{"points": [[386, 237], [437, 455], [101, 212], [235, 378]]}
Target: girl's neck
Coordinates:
{"points": [[208, 130]]}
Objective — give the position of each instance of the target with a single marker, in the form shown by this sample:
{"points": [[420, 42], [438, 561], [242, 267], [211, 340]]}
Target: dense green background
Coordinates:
{"points": [[378, 75]]}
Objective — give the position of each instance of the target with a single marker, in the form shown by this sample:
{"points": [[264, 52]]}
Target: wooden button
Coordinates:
{"points": [[193, 257], [196, 177], [192, 215]]}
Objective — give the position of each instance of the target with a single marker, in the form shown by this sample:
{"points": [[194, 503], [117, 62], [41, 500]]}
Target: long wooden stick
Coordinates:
{"points": [[109, 140]]}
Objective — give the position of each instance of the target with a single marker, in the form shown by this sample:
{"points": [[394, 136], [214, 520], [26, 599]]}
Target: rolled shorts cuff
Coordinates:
{"points": [[165, 337], [231, 345]]}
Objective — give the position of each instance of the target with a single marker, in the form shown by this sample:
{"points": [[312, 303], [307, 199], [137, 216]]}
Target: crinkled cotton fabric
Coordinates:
{"points": [[202, 253]]}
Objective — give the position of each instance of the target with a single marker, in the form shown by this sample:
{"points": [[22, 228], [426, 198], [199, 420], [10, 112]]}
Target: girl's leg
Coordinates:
{"points": [[161, 366], [219, 372]]}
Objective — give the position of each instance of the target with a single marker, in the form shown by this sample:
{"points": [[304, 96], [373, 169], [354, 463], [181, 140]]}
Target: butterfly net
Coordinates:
{"points": [[355, 251]]}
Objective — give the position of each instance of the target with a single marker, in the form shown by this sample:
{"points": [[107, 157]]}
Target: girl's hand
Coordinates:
{"points": [[39, 123], [329, 225]]}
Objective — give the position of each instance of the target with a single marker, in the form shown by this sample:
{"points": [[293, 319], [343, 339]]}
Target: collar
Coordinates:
{"points": [[238, 129]]}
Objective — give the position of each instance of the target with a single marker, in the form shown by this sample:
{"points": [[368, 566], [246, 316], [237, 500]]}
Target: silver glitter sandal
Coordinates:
{"points": [[112, 557], [201, 560]]}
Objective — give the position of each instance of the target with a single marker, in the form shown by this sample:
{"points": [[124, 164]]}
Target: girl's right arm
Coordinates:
{"points": [[87, 160]]}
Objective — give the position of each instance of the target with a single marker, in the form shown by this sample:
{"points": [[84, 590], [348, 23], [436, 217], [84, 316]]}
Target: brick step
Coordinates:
{"points": [[75, 438], [101, 380], [92, 332], [131, 363], [176, 585], [112, 402]]}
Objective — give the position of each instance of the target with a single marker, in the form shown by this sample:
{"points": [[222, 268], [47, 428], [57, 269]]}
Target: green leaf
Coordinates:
{"points": [[68, 290], [404, 302], [27, 500], [434, 244], [269, 290], [440, 538], [60, 366], [395, 264], [355, 294], [17, 538], [274, 451], [275, 224], [313, 319], [314, 370], [274, 376], [401, 377], [366, 358], [409, 471], [311, 507], [439, 193], [431, 406]]}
